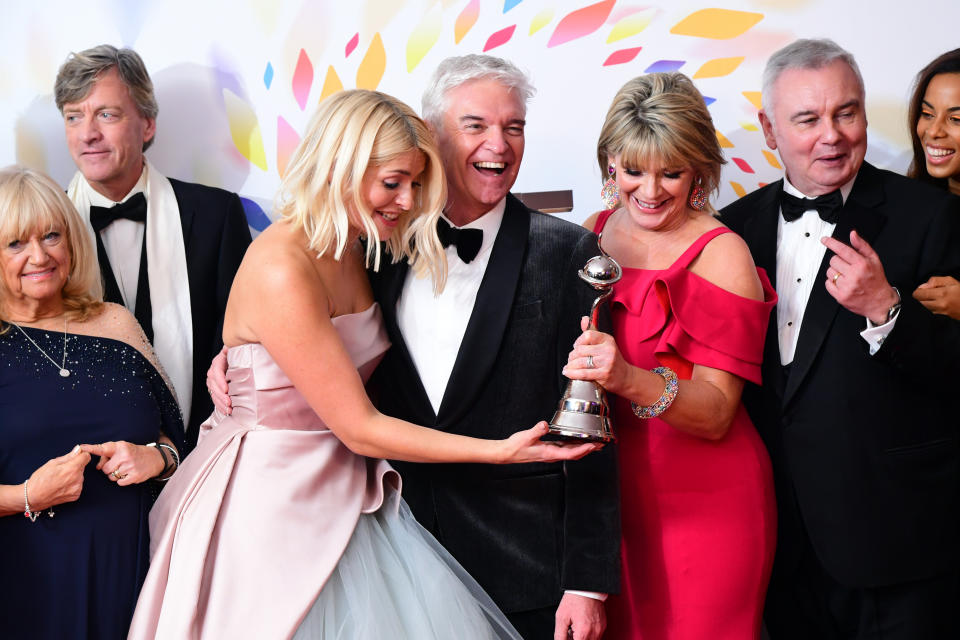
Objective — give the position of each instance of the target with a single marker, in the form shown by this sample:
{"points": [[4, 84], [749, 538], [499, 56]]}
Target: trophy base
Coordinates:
{"points": [[569, 426]]}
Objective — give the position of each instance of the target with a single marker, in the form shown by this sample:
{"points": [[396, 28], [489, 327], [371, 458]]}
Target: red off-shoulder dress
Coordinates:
{"points": [[699, 516]]}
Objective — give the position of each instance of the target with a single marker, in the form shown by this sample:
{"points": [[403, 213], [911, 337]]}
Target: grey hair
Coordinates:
{"points": [[457, 70], [804, 54], [77, 75]]}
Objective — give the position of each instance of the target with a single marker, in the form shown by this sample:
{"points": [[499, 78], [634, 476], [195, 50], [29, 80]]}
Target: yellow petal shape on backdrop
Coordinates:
{"points": [[717, 24], [423, 37], [718, 67], [631, 25], [245, 129], [373, 65], [541, 20]]}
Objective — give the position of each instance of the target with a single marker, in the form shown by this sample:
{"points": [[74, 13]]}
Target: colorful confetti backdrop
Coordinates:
{"points": [[237, 81]]}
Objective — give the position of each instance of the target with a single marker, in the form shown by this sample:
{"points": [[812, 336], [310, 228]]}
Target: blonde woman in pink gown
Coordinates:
{"points": [[286, 521]]}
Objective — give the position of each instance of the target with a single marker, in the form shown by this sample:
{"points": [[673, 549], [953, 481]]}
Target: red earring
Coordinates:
{"points": [[698, 197]]}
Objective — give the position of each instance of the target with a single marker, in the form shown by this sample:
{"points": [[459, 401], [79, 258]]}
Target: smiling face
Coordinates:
{"points": [[35, 268], [481, 143], [938, 127], [105, 135], [819, 126], [655, 197], [391, 189]]}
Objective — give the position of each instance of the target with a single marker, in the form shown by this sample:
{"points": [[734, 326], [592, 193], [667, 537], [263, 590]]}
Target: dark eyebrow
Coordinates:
{"points": [[949, 109]]}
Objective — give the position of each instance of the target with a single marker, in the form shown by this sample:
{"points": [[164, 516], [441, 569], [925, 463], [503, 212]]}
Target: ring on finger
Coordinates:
{"points": [[590, 364], [836, 277], [116, 475]]}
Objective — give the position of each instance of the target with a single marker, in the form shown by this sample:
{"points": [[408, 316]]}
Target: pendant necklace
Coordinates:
{"points": [[64, 372]]}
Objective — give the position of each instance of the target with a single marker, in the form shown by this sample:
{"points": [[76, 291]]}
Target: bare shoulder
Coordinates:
{"points": [[726, 262], [590, 224]]}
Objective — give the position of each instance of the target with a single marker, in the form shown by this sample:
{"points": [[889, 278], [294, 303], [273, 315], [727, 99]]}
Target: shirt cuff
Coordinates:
{"points": [[602, 597], [875, 334]]}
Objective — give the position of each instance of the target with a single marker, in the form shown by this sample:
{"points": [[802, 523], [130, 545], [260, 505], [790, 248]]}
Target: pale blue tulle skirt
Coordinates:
{"points": [[395, 581]]}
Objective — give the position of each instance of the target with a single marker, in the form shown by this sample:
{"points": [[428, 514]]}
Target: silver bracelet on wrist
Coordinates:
{"points": [[31, 513]]}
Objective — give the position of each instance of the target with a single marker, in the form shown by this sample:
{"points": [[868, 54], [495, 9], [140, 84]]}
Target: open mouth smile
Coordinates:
{"points": [[496, 167]]}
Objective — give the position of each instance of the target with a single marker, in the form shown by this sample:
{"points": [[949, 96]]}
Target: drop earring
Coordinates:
{"points": [[610, 194], [698, 197]]}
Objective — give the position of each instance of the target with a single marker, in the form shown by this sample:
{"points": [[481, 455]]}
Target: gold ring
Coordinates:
{"points": [[836, 277], [116, 475]]}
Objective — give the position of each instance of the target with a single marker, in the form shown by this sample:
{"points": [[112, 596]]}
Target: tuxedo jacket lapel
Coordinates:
{"points": [[388, 290], [488, 321], [858, 214]]}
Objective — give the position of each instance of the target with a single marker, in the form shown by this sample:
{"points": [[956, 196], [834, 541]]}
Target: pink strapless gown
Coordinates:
{"points": [[252, 527]]}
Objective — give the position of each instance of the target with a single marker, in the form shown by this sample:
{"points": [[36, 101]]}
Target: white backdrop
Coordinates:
{"points": [[237, 81]]}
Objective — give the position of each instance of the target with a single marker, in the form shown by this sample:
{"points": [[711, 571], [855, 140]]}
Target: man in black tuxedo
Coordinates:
{"points": [[168, 250], [484, 359], [857, 408]]}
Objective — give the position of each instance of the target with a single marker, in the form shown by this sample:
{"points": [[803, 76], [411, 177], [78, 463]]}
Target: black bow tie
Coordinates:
{"points": [[467, 241], [135, 208], [828, 206]]}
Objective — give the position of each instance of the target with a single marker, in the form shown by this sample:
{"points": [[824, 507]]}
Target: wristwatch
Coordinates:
{"points": [[895, 309]]}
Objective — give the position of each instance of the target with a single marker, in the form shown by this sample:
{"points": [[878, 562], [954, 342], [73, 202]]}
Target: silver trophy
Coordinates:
{"points": [[583, 413]]}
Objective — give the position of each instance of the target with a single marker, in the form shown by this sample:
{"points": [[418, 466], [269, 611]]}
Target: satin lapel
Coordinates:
{"points": [[481, 341], [387, 287], [859, 212], [760, 234]]}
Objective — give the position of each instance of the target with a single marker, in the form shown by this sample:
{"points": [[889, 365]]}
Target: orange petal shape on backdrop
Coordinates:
{"points": [[718, 67], [423, 37], [738, 189], [724, 141], [754, 98], [581, 22], [772, 159], [331, 84], [717, 24], [244, 129], [373, 65], [466, 20]]}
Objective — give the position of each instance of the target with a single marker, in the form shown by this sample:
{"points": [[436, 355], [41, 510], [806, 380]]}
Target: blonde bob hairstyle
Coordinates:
{"points": [[351, 132], [660, 120], [30, 202]]}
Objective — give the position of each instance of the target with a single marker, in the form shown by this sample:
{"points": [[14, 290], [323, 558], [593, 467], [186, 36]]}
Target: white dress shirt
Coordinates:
{"points": [[123, 242], [799, 254], [433, 325]]}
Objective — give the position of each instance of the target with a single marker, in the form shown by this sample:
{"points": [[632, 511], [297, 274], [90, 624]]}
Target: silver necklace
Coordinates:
{"points": [[64, 372]]}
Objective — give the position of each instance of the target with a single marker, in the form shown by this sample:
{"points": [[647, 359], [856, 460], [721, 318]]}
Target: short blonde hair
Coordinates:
{"points": [[30, 202], [351, 131], [661, 118]]}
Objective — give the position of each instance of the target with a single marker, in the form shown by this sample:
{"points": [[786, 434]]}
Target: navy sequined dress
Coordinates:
{"points": [[77, 574]]}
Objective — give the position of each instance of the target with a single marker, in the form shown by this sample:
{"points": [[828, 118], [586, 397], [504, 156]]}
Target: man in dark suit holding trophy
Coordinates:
{"points": [[484, 357]]}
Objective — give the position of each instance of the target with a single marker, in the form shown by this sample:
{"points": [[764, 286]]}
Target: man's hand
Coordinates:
{"points": [[856, 280], [580, 618]]}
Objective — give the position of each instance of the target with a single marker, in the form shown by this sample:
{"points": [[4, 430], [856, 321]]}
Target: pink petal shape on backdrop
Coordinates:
{"points": [[499, 38], [581, 22], [287, 141], [740, 162], [621, 56], [466, 20], [302, 79], [351, 45]]}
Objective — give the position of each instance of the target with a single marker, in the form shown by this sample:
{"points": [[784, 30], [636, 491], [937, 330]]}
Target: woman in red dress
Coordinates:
{"points": [[689, 320]]}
